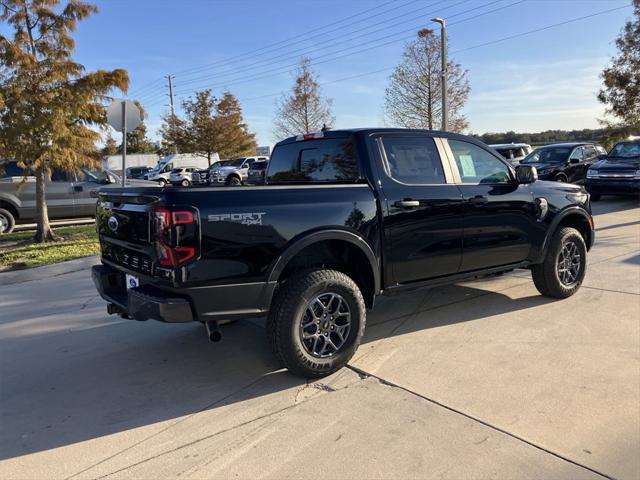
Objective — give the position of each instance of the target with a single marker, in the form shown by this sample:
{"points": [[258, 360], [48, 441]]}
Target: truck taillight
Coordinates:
{"points": [[175, 234]]}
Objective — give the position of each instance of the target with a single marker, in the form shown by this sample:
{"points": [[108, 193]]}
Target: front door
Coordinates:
{"points": [[499, 214], [423, 215]]}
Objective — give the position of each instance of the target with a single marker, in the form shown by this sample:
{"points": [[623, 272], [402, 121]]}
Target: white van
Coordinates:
{"points": [[160, 173]]}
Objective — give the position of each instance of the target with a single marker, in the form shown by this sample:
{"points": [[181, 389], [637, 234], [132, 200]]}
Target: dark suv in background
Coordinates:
{"points": [[617, 173], [564, 162]]}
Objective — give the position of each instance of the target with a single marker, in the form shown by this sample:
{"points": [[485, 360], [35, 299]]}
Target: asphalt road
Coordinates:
{"points": [[484, 379]]}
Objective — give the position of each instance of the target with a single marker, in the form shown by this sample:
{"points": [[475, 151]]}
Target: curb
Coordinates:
{"points": [[47, 271]]}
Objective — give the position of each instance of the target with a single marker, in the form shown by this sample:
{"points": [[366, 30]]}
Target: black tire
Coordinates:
{"points": [[162, 182], [595, 197], [548, 275], [233, 181], [185, 183], [561, 177], [7, 221], [290, 308]]}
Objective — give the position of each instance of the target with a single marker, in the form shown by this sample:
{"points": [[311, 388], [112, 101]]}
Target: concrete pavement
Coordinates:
{"points": [[484, 379]]}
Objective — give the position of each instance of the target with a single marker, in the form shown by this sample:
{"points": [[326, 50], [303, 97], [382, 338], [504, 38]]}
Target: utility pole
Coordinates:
{"points": [[173, 112], [443, 57]]}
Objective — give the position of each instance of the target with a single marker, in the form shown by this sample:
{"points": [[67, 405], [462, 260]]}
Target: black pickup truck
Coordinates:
{"points": [[344, 216]]}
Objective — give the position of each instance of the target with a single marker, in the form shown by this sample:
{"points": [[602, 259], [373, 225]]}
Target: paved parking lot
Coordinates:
{"points": [[484, 379]]}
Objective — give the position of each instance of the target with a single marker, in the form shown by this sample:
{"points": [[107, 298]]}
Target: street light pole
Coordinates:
{"points": [[443, 57]]}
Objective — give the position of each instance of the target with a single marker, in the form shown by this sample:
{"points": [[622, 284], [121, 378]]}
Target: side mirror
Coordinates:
{"points": [[574, 160], [526, 174]]}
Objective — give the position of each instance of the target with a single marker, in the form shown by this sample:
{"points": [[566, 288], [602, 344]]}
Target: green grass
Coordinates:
{"points": [[17, 250]]}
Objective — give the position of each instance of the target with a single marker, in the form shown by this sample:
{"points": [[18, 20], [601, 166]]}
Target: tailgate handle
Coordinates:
{"points": [[408, 203]]}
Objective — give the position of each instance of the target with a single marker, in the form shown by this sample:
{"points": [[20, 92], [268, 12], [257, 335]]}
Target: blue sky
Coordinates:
{"points": [[535, 82]]}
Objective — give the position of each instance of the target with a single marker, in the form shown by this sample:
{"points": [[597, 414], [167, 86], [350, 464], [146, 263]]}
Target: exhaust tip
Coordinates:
{"points": [[213, 331]]}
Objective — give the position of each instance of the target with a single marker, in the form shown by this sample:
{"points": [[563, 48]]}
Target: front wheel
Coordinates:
{"points": [[562, 178], [234, 181], [185, 183], [162, 182], [316, 322], [563, 269]]}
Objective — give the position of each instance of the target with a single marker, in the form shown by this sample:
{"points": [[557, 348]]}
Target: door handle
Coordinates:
{"points": [[407, 203], [478, 200]]}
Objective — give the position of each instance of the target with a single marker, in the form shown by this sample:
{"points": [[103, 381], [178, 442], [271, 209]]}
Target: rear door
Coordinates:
{"points": [[423, 217], [499, 214]]}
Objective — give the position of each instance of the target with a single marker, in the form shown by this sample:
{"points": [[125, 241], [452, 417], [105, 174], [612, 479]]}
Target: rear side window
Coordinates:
{"points": [[413, 160], [314, 161]]}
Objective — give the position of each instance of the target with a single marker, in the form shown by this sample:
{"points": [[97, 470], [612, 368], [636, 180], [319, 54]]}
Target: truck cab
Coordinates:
{"points": [[343, 217]]}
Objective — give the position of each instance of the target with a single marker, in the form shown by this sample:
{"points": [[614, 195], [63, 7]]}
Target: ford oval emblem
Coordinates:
{"points": [[113, 223]]}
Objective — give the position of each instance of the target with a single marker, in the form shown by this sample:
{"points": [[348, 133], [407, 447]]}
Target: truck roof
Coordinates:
{"points": [[346, 132]]}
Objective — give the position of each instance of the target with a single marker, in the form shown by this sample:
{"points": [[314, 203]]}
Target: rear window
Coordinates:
{"points": [[314, 161], [10, 169], [259, 166], [176, 170]]}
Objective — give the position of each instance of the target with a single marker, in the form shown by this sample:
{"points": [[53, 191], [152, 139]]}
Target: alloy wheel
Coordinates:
{"points": [[325, 325], [569, 263], [4, 223]]}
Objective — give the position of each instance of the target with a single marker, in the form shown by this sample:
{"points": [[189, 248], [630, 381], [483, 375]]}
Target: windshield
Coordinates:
{"points": [[93, 175], [548, 155], [626, 150], [235, 163]]}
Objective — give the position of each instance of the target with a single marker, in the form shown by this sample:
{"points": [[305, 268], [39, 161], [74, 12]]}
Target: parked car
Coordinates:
{"points": [[512, 152], [68, 194], [257, 171], [137, 172], [617, 173], [234, 172], [161, 172], [201, 177], [563, 162], [344, 216], [181, 176]]}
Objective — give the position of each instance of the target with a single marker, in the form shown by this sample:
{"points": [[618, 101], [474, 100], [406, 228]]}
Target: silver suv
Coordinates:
{"points": [[68, 194], [233, 172]]}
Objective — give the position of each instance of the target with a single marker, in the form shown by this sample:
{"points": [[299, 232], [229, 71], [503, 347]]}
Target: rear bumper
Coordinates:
{"points": [[219, 302], [613, 187]]}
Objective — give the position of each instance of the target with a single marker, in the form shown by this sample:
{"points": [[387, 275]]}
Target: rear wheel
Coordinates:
{"points": [[185, 183], [162, 182], [7, 221], [316, 322], [564, 266]]}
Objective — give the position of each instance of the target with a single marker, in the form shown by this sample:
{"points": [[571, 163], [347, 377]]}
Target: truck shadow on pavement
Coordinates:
{"points": [[108, 376]]}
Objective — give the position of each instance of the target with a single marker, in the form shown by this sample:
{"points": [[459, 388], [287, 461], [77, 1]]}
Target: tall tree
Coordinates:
{"points": [[201, 129], [50, 102], [414, 96], [621, 91], [235, 140], [110, 146], [173, 134], [138, 142], [304, 109]]}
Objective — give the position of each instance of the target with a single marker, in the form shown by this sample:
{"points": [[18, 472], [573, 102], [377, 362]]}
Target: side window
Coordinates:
{"points": [[589, 152], [314, 161], [476, 165], [413, 160], [577, 153], [60, 176]]}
